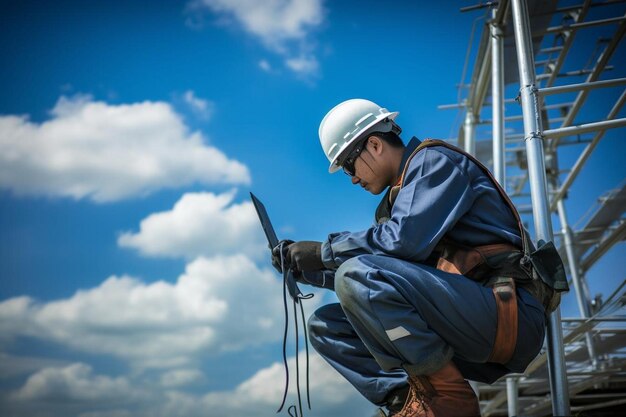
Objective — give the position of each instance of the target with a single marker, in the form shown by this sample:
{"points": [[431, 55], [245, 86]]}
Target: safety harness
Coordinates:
{"points": [[500, 266]]}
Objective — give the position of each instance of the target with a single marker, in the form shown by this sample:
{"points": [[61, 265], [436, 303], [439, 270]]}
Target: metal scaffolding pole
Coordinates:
{"points": [[595, 74], [497, 129], [569, 242], [582, 86], [470, 132], [586, 153], [511, 396], [539, 194], [577, 279], [587, 127], [497, 98], [616, 234], [592, 23], [568, 36]]}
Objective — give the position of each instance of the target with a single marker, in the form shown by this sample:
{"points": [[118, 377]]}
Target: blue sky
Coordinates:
{"points": [[134, 280]]}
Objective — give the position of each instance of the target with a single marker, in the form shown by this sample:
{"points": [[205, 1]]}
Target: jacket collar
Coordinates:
{"points": [[408, 151]]}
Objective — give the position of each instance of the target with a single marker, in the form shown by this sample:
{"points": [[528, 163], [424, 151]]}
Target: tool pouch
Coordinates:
{"points": [[547, 266]]}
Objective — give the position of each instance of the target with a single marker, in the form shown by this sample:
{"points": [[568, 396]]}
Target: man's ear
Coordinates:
{"points": [[376, 144]]}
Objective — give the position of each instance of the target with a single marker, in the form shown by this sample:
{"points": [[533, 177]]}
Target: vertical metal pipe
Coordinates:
{"points": [[511, 395], [497, 98], [538, 188], [497, 102], [470, 130], [584, 304]]}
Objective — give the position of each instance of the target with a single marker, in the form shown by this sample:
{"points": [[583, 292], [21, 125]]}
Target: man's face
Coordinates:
{"points": [[368, 169]]}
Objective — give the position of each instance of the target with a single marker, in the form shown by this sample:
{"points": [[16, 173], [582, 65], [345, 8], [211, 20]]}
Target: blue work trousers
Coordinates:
{"points": [[397, 318]]}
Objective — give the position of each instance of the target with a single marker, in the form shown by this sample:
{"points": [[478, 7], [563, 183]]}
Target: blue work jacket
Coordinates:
{"points": [[443, 194]]}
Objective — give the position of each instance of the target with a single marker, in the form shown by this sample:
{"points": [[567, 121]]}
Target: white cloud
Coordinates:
{"points": [[330, 394], [13, 365], [218, 304], [283, 26], [91, 149], [303, 64], [181, 377], [77, 390], [202, 108], [273, 21], [265, 65], [326, 383], [200, 224], [261, 394], [75, 384]]}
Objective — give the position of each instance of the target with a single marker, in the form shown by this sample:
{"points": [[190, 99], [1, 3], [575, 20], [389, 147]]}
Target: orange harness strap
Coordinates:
{"points": [[462, 262], [506, 330]]}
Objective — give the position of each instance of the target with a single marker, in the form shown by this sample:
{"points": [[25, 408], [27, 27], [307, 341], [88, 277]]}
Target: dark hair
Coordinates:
{"points": [[390, 137]]}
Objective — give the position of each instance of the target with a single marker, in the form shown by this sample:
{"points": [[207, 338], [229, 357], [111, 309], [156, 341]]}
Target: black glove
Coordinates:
{"points": [[305, 256], [276, 254]]}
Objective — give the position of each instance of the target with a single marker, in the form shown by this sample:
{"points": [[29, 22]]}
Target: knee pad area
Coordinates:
{"points": [[343, 277], [350, 281]]}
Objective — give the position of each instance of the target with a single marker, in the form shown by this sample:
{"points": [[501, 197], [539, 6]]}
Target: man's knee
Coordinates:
{"points": [[321, 324], [349, 280]]}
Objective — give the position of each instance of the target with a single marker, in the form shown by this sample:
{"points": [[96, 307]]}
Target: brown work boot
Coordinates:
{"points": [[442, 394], [421, 394]]}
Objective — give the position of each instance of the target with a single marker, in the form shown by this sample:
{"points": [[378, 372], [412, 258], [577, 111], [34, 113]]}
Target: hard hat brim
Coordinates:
{"points": [[334, 166]]}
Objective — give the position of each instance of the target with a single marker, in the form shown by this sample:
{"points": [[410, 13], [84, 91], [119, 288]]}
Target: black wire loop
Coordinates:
{"points": [[292, 410]]}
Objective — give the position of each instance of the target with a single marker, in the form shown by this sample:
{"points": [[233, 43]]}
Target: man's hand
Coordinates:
{"points": [[284, 244], [305, 256]]}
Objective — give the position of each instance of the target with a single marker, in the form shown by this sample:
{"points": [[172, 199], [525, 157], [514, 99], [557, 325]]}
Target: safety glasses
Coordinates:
{"points": [[348, 163]]}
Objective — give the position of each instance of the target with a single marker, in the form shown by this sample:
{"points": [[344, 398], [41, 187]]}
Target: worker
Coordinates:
{"points": [[438, 291]]}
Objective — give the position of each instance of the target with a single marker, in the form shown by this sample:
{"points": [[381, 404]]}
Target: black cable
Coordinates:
{"points": [[295, 317], [292, 410], [306, 347], [282, 266]]}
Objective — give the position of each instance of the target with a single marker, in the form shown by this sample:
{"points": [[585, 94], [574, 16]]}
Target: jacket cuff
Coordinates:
{"points": [[328, 258]]}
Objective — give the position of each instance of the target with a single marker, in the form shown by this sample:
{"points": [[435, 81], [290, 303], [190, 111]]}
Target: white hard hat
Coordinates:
{"points": [[349, 121]]}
